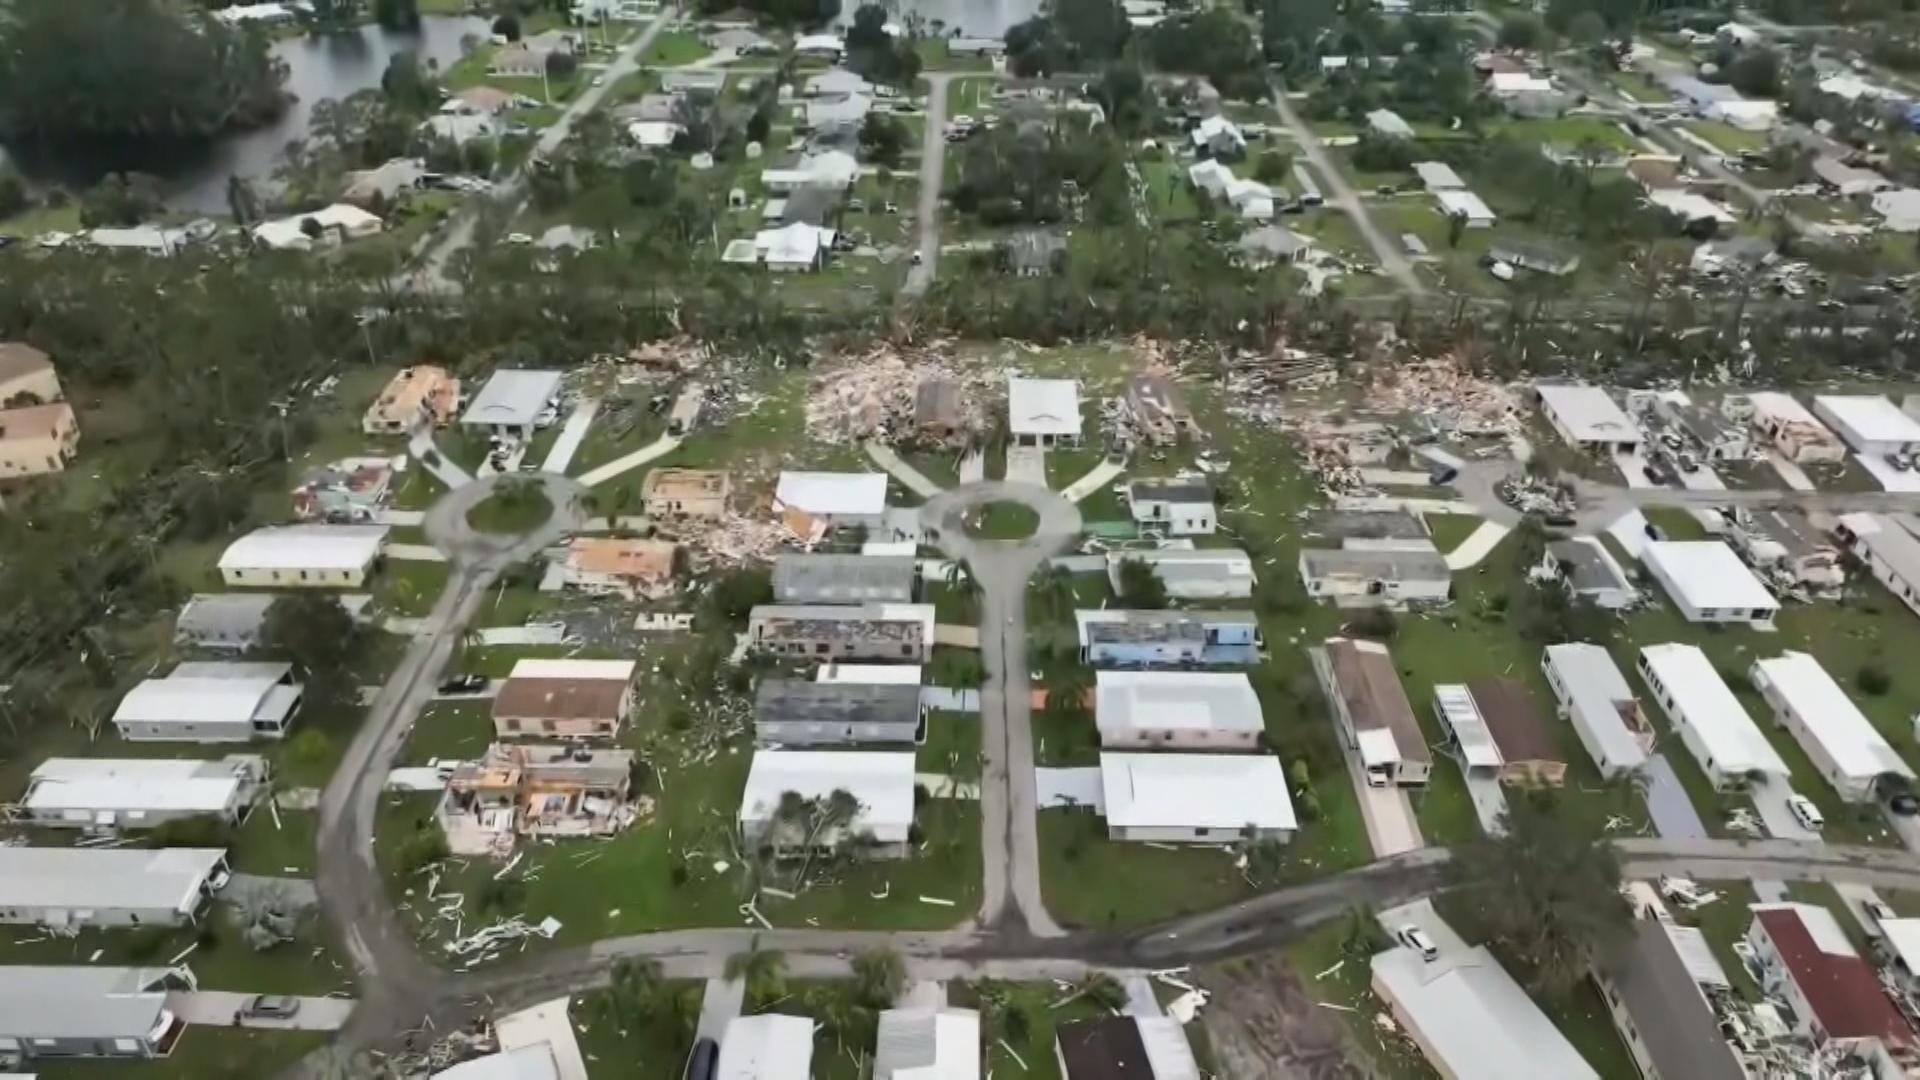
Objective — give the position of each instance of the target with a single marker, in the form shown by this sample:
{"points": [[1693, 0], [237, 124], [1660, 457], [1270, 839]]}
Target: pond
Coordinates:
{"points": [[318, 67], [972, 18]]}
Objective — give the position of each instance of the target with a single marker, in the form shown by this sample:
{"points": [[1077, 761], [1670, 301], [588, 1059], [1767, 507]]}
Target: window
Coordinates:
{"points": [[821, 648], [906, 650], [303, 575]]}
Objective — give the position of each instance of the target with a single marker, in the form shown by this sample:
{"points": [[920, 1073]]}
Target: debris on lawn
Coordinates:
{"points": [[883, 394]]}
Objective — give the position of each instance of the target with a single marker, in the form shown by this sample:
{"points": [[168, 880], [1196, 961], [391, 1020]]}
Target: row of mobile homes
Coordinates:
{"points": [[1114, 637]]}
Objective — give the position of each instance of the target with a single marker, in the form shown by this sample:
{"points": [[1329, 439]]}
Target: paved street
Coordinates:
{"points": [[217, 1008], [933, 174], [1340, 194]]}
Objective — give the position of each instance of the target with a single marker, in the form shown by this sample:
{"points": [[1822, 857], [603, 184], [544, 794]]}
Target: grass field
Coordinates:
{"points": [[1041, 1004], [674, 49]]}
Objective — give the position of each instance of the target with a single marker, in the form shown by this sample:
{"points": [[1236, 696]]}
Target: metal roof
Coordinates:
{"points": [[1829, 716], [1707, 575], [162, 784], [1871, 417], [826, 579], [1587, 564], [1043, 406], [1729, 735], [769, 1046], [1186, 700], [1473, 1019], [1195, 791], [1368, 685], [513, 397], [1171, 491], [1383, 564], [927, 1044], [797, 701], [185, 696], [1597, 694], [1662, 996], [1513, 720], [305, 547], [881, 780], [1164, 625], [1437, 175], [1589, 413], [105, 878], [1461, 717], [1888, 542], [1840, 988], [832, 493], [46, 1001]]}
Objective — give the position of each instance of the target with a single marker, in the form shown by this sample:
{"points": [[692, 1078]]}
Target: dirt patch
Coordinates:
{"points": [[1265, 1026]]}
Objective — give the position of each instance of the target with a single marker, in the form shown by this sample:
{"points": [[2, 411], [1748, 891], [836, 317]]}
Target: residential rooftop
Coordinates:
{"points": [[1165, 700]]}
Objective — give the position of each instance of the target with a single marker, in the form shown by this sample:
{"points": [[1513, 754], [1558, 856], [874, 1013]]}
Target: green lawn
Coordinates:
{"points": [[221, 959], [409, 586], [1003, 521], [511, 510], [1726, 137], [1722, 923], [1571, 131], [1451, 530], [1041, 1003], [42, 219], [675, 48], [1344, 983], [203, 1053], [620, 1047], [457, 730]]}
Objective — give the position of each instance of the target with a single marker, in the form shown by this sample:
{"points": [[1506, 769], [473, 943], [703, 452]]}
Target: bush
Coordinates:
{"points": [[423, 849], [1873, 680], [1376, 622], [1273, 167], [200, 832]]}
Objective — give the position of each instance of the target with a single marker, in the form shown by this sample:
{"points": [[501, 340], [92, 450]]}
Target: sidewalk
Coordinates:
{"points": [[449, 473], [659, 448], [1093, 481], [1477, 547], [915, 480], [571, 436]]}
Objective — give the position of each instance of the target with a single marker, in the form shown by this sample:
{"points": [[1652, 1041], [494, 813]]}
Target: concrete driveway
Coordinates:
{"points": [[215, 1008], [720, 1002], [1672, 813], [571, 436]]}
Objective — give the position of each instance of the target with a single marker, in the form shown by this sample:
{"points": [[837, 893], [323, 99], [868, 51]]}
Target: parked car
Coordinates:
{"points": [[700, 1064], [1805, 812], [1904, 803], [1416, 939], [1877, 911], [271, 1007], [463, 684]]}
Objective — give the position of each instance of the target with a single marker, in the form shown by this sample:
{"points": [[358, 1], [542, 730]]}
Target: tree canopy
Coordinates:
{"points": [[1547, 892], [122, 71]]}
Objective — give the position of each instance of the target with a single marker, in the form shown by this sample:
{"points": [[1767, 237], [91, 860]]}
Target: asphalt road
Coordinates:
{"points": [[933, 174], [1341, 194]]}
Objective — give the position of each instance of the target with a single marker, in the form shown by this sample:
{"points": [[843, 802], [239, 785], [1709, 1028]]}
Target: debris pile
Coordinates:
{"points": [[883, 394], [1534, 495], [1447, 400]]}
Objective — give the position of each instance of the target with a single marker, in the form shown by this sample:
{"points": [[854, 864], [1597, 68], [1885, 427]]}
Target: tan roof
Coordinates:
{"points": [[1370, 687], [1514, 720], [35, 421], [685, 484], [560, 699], [485, 97], [17, 359], [626, 558], [414, 385]]}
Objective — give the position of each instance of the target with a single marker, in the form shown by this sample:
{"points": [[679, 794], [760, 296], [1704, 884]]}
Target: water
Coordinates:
{"points": [[328, 66], [973, 18]]}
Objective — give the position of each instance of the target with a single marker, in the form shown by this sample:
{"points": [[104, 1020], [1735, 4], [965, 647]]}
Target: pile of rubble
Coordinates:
{"points": [[883, 394], [1449, 401], [1533, 495]]}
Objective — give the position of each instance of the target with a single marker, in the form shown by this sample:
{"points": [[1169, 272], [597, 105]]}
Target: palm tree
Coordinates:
{"points": [[764, 971], [1056, 583], [1067, 692], [635, 991], [1102, 991]]}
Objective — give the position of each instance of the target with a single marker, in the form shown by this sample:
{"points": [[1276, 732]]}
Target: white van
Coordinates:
{"points": [[1416, 939], [1808, 814]]}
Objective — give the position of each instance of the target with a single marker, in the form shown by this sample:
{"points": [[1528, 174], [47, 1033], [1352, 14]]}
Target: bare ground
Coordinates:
{"points": [[1264, 1025]]}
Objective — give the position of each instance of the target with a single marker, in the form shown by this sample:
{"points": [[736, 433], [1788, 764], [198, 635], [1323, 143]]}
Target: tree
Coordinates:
{"points": [[1140, 585], [117, 72], [120, 200], [878, 977], [397, 14], [1520, 30], [1273, 167], [407, 84], [315, 632], [243, 202], [1546, 891], [1067, 692], [764, 971], [1529, 542], [507, 26], [13, 193], [1456, 228], [1126, 98], [884, 138], [1101, 991], [1755, 73], [635, 991]]}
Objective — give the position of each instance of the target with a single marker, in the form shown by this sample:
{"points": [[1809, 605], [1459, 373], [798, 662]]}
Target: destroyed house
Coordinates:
{"points": [[107, 887], [1344, 525], [685, 493], [1158, 409], [615, 566], [536, 789], [1584, 568], [1360, 576], [1192, 574], [1114, 637], [1790, 429], [1715, 435], [101, 794], [1375, 717], [1835, 997], [212, 701], [1124, 1048], [351, 490], [568, 699], [899, 632], [1594, 696], [844, 579], [793, 712], [1655, 997], [937, 409], [81, 1011], [1784, 542], [880, 781]]}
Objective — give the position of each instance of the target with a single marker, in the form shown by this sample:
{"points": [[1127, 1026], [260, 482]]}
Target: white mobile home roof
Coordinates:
{"points": [[513, 397], [1779, 406], [75, 1001], [1589, 412], [536, 668], [882, 781], [870, 674], [305, 547], [1043, 406], [769, 1046], [522, 1063], [1595, 690], [1871, 418], [158, 784], [1708, 574], [1475, 1019], [1469, 728], [109, 878], [1889, 542], [1461, 201], [201, 699], [1160, 700], [832, 493], [1195, 791], [1829, 715], [927, 1044], [1438, 175], [1716, 716]]}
